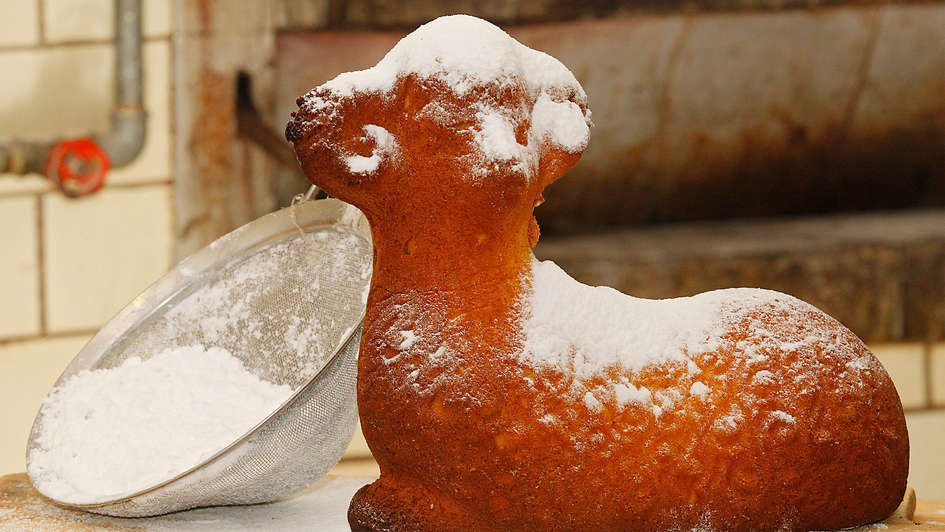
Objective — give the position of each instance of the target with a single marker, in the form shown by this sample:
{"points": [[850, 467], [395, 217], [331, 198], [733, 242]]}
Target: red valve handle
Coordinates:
{"points": [[78, 166]]}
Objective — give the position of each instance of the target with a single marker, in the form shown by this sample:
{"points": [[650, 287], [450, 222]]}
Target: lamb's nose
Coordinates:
{"points": [[299, 127], [315, 109], [293, 129]]}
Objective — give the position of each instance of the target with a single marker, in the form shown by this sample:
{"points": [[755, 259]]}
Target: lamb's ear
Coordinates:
{"points": [[555, 162], [564, 127]]}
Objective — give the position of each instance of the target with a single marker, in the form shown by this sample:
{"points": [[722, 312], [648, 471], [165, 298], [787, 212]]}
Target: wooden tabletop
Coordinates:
{"points": [[320, 507]]}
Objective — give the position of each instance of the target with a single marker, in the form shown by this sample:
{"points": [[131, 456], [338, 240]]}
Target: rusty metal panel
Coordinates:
{"points": [[726, 114]]}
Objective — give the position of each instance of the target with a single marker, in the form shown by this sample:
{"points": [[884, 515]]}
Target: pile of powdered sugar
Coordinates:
{"points": [[111, 432], [464, 53]]}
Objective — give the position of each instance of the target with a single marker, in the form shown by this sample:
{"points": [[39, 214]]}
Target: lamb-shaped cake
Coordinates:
{"points": [[497, 393]]}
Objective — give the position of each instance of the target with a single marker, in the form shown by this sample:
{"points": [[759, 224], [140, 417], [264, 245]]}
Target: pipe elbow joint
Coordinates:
{"points": [[125, 139]]}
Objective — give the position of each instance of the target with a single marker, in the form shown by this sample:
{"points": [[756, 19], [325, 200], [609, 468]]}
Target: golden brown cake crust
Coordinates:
{"points": [[459, 423]]}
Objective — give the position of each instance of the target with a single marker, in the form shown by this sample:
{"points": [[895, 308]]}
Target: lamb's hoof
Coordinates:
{"points": [[391, 506]]}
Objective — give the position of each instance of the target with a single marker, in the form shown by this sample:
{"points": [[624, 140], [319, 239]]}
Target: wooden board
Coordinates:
{"points": [[320, 507]]}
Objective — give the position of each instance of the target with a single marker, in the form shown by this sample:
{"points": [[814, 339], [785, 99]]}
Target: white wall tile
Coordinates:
{"points": [[905, 363], [19, 271], [937, 374], [17, 185], [157, 17], [19, 23], [734, 71], [101, 251], [55, 92], [308, 14], [27, 371], [78, 20], [84, 20], [927, 453], [356, 468]]}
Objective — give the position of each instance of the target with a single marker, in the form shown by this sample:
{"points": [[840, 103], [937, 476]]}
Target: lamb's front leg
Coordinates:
{"points": [[394, 505]]}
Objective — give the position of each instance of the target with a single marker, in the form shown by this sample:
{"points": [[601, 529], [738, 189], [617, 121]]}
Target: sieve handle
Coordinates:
{"points": [[312, 190]]}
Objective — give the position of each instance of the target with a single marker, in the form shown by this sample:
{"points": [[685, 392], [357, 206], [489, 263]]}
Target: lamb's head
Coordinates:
{"points": [[457, 109]]}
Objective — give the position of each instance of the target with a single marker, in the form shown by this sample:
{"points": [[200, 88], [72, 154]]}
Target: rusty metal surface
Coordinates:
{"points": [[221, 181], [723, 115], [407, 14]]}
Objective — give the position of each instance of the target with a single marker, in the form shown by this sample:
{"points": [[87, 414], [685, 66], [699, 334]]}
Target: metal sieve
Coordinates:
{"points": [[286, 295]]}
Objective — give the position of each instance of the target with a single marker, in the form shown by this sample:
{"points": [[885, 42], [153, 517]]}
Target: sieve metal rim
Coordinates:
{"points": [[254, 236]]}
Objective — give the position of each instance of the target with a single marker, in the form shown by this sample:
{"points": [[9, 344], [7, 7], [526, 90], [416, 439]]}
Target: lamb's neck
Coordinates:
{"points": [[454, 278]]}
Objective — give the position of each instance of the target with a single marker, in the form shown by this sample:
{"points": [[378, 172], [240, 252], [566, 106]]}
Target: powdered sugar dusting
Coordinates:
{"points": [[626, 393], [698, 389], [461, 50], [562, 123], [110, 432], [586, 329], [409, 338], [606, 339], [496, 136], [781, 415], [592, 403]]}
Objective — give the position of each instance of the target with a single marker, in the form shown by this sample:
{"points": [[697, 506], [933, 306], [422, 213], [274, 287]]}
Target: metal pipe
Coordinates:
{"points": [[126, 138], [78, 166], [22, 157]]}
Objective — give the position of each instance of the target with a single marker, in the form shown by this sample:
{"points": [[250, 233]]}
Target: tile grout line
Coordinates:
{"points": [[143, 184], [172, 57], [927, 375], [132, 185], [49, 336], [41, 263], [74, 43]]}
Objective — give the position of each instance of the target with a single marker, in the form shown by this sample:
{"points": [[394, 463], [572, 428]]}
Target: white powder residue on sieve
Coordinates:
{"points": [[271, 310], [110, 432], [466, 53]]}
